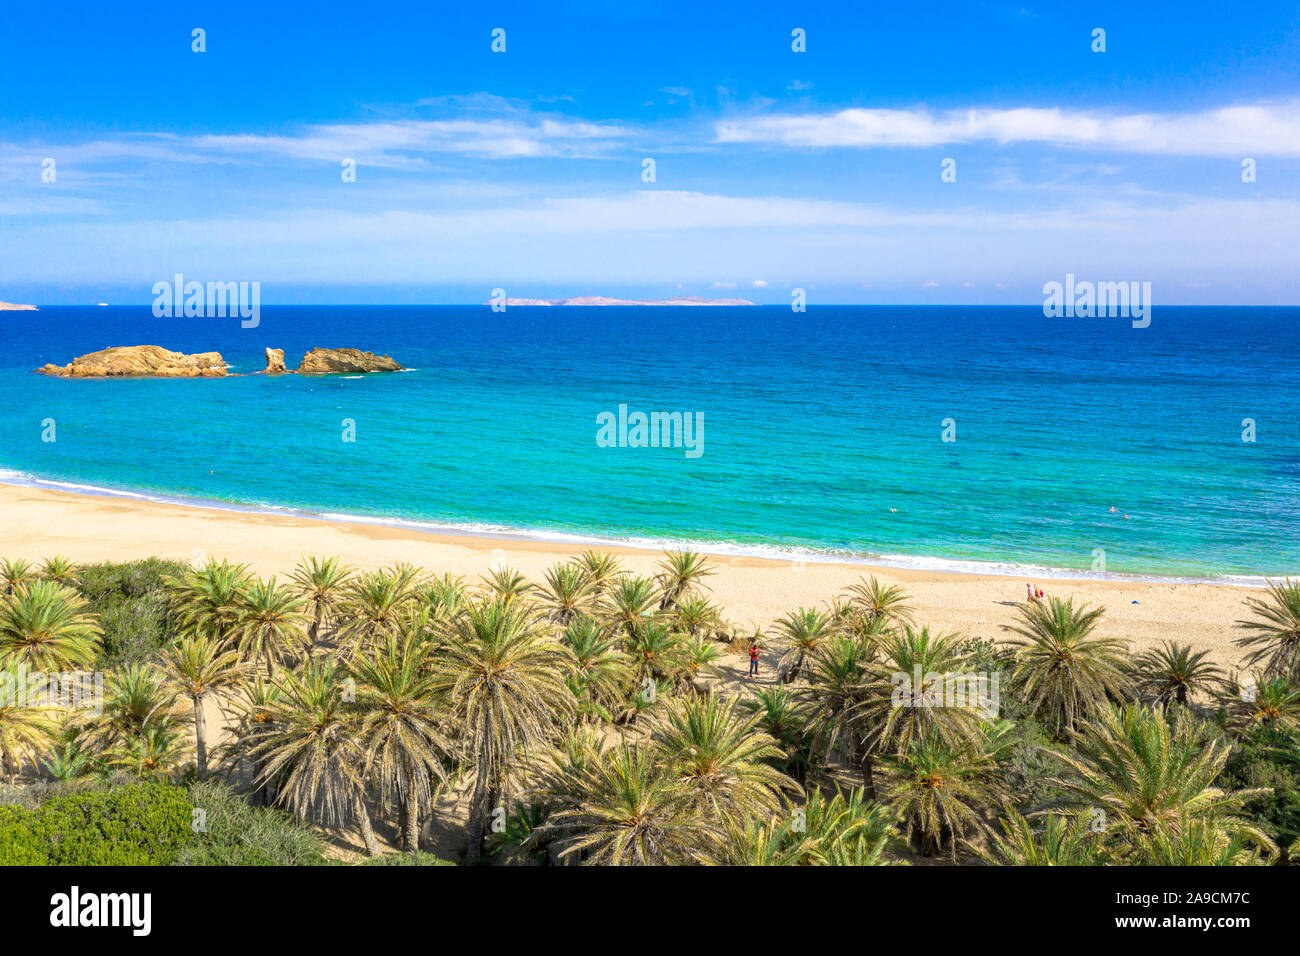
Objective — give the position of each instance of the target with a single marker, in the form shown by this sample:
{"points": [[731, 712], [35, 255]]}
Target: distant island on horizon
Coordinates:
{"points": [[606, 300]]}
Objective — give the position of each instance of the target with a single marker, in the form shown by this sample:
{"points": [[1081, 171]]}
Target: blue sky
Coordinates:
{"points": [[774, 169]]}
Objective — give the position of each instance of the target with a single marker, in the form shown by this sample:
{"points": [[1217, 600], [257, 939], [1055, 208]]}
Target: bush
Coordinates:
{"points": [[1268, 758], [143, 824], [20, 845], [132, 606], [236, 834], [407, 859]]}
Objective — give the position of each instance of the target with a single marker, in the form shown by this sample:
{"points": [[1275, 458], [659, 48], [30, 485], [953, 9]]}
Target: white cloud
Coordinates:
{"points": [[759, 284], [1268, 129], [486, 133]]}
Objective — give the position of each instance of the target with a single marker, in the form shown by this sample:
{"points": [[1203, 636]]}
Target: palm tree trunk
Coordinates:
{"points": [[477, 812], [867, 766], [200, 737], [367, 831], [314, 631], [411, 824]]}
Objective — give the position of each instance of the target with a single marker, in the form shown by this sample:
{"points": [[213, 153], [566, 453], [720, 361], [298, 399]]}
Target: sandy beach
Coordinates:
{"points": [[36, 522]]}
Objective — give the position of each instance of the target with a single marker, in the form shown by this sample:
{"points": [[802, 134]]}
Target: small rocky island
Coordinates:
{"points": [[140, 361], [153, 361], [335, 361], [14, 307]]}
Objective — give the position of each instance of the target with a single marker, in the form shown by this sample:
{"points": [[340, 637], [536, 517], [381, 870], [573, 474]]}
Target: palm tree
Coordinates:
{"points": [[631, 812], [941, 790], [255, 706], [1275, 631], [910, 693], [1274, 704], [1144, 770], [401, 729], [784, 718], [657, 652], [833, 693], [209, 601], [375, 605], [601, 567], [309, 749], [629, 601], [59, 570], [16, 575], [270, 627], [68, 759], [883, 602], [1060, 841], [45, 626], [26, 733], [1173, 673], [845, 829], [1196, 842], [506, 584], [601, 674], [696, 614], [506, 694], [1063, 672], [155, 751], [135, 696], [699, 658], [802, 632], [722, 758], [755, 843], [443, 596], [679, 572], [321, 583], [567, 594], [197, 668]]}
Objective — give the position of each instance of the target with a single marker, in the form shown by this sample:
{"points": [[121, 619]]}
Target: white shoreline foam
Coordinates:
{"points": [[716, 548]]}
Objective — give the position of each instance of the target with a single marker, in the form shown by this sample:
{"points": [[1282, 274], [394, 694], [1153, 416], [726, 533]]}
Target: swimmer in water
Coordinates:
{"points": [[1112, 509]]}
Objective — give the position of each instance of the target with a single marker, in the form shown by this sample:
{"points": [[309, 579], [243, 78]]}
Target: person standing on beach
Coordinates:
{"points": [[753, 658]]}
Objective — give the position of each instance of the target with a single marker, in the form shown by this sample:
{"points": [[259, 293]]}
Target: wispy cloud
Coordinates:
{"points": [[1268, 129], [483, 127]]}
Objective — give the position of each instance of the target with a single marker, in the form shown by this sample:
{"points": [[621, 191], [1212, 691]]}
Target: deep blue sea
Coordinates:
{"points": [[822, 430]]}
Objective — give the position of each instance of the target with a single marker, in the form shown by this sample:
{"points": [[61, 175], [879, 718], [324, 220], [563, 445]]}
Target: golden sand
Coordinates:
{"points": [[36, 523]]}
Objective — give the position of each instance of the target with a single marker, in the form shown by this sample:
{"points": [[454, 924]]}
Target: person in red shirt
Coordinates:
{"points": [[753, 658]]}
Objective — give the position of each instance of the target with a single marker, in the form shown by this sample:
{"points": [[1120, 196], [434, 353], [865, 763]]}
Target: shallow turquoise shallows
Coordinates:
{"points": [[823, 432]]}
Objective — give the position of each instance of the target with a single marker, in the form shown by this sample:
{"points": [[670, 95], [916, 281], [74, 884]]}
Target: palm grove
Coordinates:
{"points": [[579, 719]]}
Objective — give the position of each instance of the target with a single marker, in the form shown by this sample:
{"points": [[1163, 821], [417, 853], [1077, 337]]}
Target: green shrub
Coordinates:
{"points": [[132, 606], [407, 859], [236, 834], [1268, 758], [20, 844], [140, 824]]}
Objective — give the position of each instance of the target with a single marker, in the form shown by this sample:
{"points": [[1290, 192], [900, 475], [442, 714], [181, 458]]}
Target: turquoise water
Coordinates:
{"points": [[816, 425]]}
